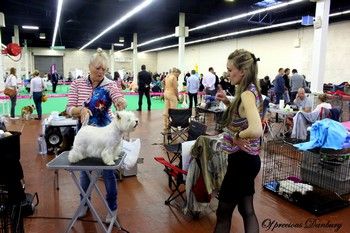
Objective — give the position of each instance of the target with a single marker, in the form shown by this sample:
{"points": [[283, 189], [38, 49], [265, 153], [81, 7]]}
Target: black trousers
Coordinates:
{"points": [[54, 85], [192, 97], [146, 93]]}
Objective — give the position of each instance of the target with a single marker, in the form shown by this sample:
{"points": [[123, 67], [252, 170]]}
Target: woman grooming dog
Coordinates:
{"points": [[91, 99], [37, 86]]}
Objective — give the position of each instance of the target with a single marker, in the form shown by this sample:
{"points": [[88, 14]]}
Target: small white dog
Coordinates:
{"points": [[103, 142]]}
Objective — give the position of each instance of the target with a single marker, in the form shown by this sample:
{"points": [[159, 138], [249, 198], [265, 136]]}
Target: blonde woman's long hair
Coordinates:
{"points": [[247, 62]]}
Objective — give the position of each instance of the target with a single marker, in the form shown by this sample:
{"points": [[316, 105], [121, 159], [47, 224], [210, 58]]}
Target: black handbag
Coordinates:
{"points": [[29, 204]]}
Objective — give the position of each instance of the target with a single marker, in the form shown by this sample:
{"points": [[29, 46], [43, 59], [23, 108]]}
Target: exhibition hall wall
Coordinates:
{"points": [[290, 48]]}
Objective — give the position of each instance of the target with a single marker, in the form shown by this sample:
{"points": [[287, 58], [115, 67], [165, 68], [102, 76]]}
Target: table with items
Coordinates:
{"points": [[283, 115]]}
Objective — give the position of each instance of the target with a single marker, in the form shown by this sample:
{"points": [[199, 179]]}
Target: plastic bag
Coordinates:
{"points": [[132, 150]]}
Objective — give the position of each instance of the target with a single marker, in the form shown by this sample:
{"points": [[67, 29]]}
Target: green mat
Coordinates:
{"points": [[59, 103]]}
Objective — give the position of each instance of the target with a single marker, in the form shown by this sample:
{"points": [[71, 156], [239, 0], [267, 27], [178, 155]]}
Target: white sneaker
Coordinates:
{"points": [[83, 211], [110, 217]]}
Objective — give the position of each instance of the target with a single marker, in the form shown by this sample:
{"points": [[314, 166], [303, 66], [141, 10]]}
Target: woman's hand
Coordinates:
{"points": [[242, 143], [221, 96], [85, 114], [121, 104]]}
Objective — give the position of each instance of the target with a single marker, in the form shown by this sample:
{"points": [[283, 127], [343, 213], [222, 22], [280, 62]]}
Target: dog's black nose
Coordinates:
{"points": [[137, 122]]}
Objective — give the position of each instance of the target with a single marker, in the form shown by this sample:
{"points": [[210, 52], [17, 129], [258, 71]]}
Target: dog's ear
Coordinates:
{"points": [[118, 116]]}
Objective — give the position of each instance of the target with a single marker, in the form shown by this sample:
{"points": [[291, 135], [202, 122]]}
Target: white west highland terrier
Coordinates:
{"points": [[103, 142]]}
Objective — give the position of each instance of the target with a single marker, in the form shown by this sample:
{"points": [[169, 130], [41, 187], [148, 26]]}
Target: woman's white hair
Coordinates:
{"points": [[99, 58]]}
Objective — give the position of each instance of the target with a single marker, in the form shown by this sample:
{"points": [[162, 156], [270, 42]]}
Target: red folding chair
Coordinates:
{"points": [[175, 179]]}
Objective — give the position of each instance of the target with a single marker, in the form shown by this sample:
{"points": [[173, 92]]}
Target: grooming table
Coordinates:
{"points": [[93, 167]]}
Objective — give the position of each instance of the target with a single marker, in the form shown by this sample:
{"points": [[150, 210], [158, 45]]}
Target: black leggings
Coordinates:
{"points": [[246, 210]]}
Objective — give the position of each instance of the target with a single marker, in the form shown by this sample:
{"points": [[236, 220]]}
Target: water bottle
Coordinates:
{"points": [[42, 145]]}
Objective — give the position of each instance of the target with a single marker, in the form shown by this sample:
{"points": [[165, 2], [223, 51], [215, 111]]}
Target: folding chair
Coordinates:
{"points": [[179, 120], [175, 178], [195, 129]]}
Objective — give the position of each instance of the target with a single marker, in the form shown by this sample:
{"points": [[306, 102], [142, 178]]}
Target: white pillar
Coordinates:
{"points": [[15, 34], [26, 59], [180, 32], [134, 57], [2, 85], [319, 45], [15, 39], [112, 61]]}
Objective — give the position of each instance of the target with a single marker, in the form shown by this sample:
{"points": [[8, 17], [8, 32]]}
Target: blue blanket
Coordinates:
{"points": [[326, 133]]}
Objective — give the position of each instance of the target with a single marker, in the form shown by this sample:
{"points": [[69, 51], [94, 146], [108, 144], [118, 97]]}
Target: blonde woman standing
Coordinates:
{"points": [[171, 95], [241, 142], [37, 86], [11, 82]]}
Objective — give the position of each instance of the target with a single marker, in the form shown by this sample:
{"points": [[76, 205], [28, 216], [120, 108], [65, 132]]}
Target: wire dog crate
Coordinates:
{"points": [[314, 181]]}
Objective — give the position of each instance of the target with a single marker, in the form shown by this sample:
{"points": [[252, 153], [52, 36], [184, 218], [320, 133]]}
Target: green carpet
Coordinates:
{"points": [[59, 104]]}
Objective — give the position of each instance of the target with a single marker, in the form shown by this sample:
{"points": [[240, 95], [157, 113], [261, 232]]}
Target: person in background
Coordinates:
{"points": [[54, 81], [279, 85], [296, 81], [171, 95], [5, 76], [323, 104], [91, 99], [108, 74], [302, 102], [192, 88], [242, 143], [37, 86], [119, 81], [144, 81], [226, 84], [286, 95], [265, 85], [208, 82], [11, 82]]}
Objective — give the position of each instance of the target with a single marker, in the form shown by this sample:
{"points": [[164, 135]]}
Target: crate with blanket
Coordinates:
{"points": [[313, 181]]}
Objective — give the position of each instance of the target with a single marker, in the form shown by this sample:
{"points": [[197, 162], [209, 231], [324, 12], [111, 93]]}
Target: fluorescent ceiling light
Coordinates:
{"points": [[57, 23], [156, 39], [30, 27], [340, 13], [118, 44], [242, 32], [267, 3], [119, 21], [121, 39], [122, 50], [225, 20], [236, 17], [42, 36]]}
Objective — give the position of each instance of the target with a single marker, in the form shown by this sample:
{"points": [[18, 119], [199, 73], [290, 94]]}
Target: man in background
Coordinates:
{"points": [[279, 85], [192, 88], [144, 80], [54, 81], [302, 102], [209, 81], [296, 81]]}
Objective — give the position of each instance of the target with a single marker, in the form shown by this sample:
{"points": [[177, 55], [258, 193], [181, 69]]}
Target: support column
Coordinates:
{"points": [[319, 45], [112, 61], [26, 59], [182, 32], [2, 84], [15, 39], [134, 57]]}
